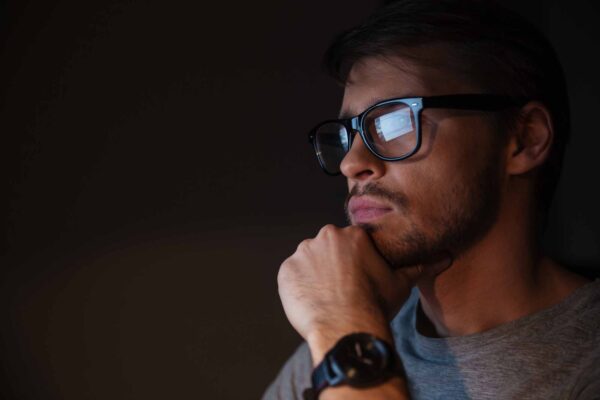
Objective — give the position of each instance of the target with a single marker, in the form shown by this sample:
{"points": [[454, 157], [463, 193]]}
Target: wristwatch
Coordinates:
{"points": [[357, 360]]}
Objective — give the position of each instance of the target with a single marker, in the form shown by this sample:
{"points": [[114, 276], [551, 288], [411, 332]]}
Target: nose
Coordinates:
{"points": [[360, 164]]}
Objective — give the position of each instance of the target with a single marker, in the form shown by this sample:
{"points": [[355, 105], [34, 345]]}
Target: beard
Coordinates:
{"points": [[466, 215]]}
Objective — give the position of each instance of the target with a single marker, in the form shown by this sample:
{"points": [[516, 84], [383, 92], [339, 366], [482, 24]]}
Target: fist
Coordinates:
{"points": [[338, 283]]}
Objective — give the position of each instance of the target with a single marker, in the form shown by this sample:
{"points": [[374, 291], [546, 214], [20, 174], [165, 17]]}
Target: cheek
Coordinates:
{"points": [[433, 189], [439, 186], [463, 147]]}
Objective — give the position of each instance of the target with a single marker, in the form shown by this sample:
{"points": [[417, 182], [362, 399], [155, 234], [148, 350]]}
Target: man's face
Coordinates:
{"points": [[446, 196]]}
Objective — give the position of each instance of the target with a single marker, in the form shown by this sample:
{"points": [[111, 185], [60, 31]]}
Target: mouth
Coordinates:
{"points": [[364, 210]]}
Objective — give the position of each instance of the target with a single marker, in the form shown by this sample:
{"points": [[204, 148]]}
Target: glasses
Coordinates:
{"points": [[391, 129]]}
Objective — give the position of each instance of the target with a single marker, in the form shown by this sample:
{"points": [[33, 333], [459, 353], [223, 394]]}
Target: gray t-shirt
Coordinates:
{"points": [[552, 354]]}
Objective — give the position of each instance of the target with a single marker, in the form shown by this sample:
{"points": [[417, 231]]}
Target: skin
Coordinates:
{"points": [[355, 278]]}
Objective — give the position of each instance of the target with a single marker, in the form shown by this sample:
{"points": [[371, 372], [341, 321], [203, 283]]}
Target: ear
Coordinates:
{"points": [[529, 145]]}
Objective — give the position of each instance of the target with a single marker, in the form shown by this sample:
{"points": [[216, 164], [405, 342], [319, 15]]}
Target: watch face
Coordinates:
{"points": [[362, 359]]}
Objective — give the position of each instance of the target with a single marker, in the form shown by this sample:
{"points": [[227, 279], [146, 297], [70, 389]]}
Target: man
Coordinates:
{"points": [[451, 135]]}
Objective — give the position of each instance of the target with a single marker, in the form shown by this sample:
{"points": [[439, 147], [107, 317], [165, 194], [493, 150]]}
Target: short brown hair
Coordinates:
{"points": [[496, 48]]}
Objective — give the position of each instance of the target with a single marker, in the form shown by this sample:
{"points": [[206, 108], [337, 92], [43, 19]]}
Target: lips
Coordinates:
{"points": [[363, 209]]}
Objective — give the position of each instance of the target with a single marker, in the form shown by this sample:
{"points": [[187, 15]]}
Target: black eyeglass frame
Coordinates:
{"points": [[477, 102]]}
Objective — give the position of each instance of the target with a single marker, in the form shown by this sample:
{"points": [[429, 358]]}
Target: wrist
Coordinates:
{"points": [[322, 339], [357, 360], [395, 388]]}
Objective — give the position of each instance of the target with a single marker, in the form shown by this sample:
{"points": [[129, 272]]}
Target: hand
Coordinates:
{"points": [[338, 283]]}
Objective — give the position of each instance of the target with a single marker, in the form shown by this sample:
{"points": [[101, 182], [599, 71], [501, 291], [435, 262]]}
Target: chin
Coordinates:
{"points": [[403, 248]]}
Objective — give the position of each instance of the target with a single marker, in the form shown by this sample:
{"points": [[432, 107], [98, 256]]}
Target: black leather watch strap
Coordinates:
{"points": [[324, 376]]}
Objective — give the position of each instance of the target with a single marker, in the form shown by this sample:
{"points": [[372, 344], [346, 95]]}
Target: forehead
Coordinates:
{"points": [[375, 79]]}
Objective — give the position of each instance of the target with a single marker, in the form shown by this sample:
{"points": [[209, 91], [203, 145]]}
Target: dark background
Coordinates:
{"points": [[157, 173]]}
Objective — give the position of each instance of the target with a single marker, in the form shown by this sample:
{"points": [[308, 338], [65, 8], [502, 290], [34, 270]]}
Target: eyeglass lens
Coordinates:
{"points": [[390, 131]]}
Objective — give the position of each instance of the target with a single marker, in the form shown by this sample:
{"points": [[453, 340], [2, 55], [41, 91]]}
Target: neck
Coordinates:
{"points": [[500, 279]]}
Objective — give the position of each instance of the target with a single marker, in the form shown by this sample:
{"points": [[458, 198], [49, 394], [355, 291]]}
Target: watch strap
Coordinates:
{"points": [[320, 377], [326, 373]]}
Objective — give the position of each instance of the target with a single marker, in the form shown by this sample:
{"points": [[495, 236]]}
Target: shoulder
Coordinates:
{"points": [[584, 309], [587, 385], [574, 334], [293, 378]]}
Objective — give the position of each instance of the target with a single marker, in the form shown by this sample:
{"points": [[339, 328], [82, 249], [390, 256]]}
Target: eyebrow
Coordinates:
{"points": [[346, 114]]}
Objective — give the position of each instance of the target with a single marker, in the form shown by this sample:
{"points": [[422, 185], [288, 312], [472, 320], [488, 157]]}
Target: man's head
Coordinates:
{"points": [[447, 195]]}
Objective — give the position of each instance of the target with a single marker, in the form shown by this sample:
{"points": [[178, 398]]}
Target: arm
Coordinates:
{"points": [[338, 283], [393, 389]]}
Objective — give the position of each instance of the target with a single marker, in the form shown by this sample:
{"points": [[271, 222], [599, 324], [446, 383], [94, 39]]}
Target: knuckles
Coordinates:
{"points": [[331, 230], [286, 271], [328, 239], [303, 245], [333, 236], [357, 232], [328, 230]]}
